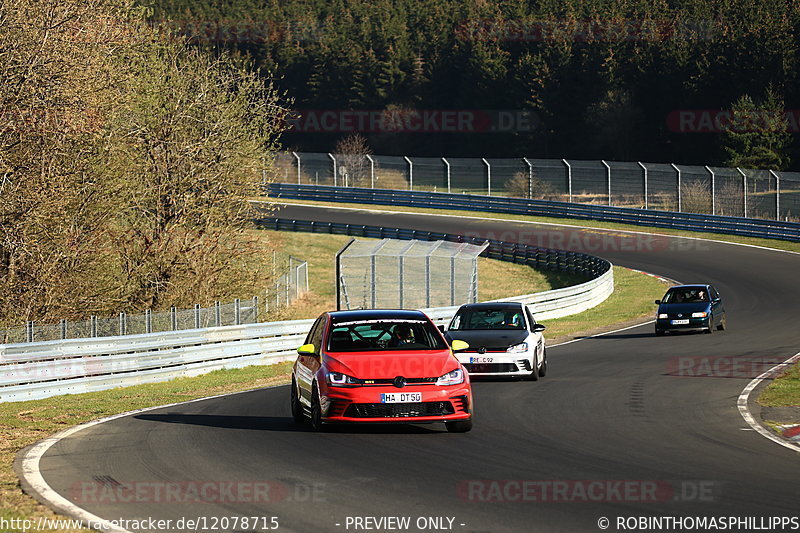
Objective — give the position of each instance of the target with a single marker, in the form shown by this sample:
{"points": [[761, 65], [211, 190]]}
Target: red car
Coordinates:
{"points": [[380, 366]]}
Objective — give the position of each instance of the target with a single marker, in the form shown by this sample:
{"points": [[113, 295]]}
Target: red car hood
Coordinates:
{"points": [[390, 364]]}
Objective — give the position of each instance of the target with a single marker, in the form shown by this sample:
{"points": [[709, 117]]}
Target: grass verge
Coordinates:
{"points": [[784, 391]]}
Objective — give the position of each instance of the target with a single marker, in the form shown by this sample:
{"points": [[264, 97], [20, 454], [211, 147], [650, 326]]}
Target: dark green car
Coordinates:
{"points": [[690, 308]]}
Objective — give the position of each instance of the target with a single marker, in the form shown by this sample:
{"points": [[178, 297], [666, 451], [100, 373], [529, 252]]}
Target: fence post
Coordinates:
{"points": [[713, 191], [148, 321], [371, 171], [680, 197], [93, 326], [123, 329], [173, 315], [335, 172], [217, 314], [644, 168], [569, 178], [62, 326], [744, 190], [373, 296], [453, 280], [608, 180], [428, 280], [298, 166], [777, 195], [28, 331], [530, 177], [488, 176], [255, 309], [196, 316], [447, 167], [237, 311], [410, 173]]}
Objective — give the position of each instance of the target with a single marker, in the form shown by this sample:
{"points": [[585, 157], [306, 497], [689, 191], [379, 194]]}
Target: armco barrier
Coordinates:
{"points": [[748, 227], [31, 371]]}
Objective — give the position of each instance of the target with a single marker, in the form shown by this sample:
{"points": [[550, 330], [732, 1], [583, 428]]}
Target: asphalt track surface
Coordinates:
{"points": [[625, 406]]}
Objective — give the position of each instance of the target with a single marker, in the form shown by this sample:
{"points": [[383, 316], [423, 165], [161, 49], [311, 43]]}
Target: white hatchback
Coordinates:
{"points": [[503, 337]]}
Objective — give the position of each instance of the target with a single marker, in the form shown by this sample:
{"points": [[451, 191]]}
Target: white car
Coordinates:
{"points": [[503, 337]]}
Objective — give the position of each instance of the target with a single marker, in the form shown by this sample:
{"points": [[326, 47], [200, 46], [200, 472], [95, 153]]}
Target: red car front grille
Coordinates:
{"points": [[398, 410]]}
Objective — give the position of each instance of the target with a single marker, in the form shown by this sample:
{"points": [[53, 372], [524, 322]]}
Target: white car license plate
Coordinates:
{"points": [[401, 397], [481, 360], [679, 322]]}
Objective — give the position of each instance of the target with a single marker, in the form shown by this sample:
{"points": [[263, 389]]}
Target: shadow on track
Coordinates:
{"points": [[281, 423]]}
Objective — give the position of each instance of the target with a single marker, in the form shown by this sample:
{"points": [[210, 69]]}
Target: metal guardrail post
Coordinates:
{"points": [[680, 195], [123, 325], [569, 178], [93, 326], [28, 331], [608, 179], [777, 195], [371, 171], [488, 176], [237, 311], [148, 321], [217, 314], [410, 173], [744, 190], [62, 326], [447, 169], [173, 316], [713, 191], [644, 168], [297, 157], [196, 316], [335, 172], [530, 177]]}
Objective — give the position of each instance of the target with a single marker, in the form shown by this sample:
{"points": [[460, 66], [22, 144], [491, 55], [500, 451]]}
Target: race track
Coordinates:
{"points": [[621, 407]]}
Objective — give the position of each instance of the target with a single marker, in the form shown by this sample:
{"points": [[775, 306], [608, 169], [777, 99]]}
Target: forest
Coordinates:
{"points": [[583, 79]]}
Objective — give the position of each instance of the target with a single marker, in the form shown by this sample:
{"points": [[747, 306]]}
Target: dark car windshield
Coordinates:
{"points": [[686, 296], [384, 335], [470, 319]]}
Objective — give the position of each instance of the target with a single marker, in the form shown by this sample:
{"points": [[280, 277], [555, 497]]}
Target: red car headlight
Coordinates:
{"points": [[337, 379], [456, 377]]}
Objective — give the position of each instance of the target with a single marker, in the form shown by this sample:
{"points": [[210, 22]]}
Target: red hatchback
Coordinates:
{"points": [[380, 366]]}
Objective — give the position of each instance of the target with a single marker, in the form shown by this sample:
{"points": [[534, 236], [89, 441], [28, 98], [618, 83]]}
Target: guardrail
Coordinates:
{"points": [[30, 371], [766, 229]]}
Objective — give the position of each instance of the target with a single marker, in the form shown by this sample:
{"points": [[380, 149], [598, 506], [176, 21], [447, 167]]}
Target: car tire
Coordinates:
{"points": [[543, 368], [534, 375], [660, 332], [710, 329], [316, 410], [297, 407], [459, 426], [723, 324]]}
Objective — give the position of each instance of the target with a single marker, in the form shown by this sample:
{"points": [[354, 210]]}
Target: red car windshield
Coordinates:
{"points": [[384, 335]]}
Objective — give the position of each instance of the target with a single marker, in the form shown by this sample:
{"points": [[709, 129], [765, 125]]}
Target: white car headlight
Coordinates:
{"points": [[455, 377], [518, 348], [700, 315], [662, 315], [336, 379]]}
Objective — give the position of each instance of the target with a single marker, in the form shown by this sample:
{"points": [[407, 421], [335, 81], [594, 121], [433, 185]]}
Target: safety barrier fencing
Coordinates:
{"points": [[30, 371]]}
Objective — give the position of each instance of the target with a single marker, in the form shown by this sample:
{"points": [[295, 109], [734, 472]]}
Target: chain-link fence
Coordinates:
{"points": [[764, 194], [287, 287], [400, 274]]}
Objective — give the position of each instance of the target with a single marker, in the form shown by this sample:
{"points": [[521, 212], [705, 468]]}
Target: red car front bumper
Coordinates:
{"points": [[365, 404]]}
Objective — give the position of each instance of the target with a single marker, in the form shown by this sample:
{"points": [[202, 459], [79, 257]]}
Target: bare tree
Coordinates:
{"points": [[351, 154]]}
